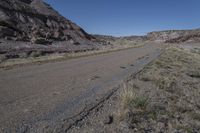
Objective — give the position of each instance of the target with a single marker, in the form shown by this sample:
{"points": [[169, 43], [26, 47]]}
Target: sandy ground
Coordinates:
{"points": [[46, 97]]}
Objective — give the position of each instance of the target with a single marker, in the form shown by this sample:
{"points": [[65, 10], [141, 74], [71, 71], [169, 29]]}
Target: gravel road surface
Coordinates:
{"points": [[49, 97]]}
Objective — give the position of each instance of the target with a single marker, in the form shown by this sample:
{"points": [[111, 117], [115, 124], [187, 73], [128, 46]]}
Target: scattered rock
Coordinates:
{"points": [[23, 55], [108, 120], [35, 54], [95, 77], [122, 67]]}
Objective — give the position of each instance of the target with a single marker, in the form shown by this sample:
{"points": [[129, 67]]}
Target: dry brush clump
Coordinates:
{"points": [[165, 96], [196, 50], [132, 100]]}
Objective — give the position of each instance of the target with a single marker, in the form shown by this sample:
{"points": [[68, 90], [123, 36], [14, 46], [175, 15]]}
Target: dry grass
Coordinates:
{"points": [[127, 96], [8, 64], [131, 103], [168, 92]]}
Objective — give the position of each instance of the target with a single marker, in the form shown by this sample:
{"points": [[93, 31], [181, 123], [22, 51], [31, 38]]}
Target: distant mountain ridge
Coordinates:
{"points": [[168, 36]]}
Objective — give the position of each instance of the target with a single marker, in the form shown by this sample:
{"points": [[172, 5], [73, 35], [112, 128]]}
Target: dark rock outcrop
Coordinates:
{"points": [[35, 21]]}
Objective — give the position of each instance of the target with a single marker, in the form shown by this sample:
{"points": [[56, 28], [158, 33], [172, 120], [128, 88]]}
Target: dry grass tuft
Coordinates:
{"points": [[130, 100], [127, 96]]}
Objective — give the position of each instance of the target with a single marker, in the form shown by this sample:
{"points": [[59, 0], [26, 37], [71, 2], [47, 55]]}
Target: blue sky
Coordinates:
{"points": [[130, 17]]}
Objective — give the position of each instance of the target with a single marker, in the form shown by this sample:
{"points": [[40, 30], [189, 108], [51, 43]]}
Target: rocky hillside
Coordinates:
{"points": [[175, 36], [35, 21], [170, 36], [32, 28], [121, 40]]}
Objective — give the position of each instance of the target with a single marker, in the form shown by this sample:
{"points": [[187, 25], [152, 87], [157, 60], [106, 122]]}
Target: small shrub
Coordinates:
{"points": [[131, 101], [196, 50], [186, 129], [159, 63], [165, 82], [127, 96], [195, 116], [148, 76], [153, 115], [139, 102]]}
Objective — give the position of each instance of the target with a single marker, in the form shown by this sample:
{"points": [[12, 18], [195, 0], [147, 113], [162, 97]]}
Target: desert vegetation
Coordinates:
{"points": [[164, 97]]}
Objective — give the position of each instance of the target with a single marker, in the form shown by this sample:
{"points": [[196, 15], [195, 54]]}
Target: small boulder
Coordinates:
{"points": [[108, 120]]}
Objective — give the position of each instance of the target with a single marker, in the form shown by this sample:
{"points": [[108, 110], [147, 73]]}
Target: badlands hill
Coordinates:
{"points": [[36, 21]]}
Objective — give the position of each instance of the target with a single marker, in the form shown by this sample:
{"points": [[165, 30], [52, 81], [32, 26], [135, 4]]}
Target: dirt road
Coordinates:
{"points": [[49, 97]]}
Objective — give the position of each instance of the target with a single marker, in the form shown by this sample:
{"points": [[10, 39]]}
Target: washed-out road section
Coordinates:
{"points": [[46, 97]]}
